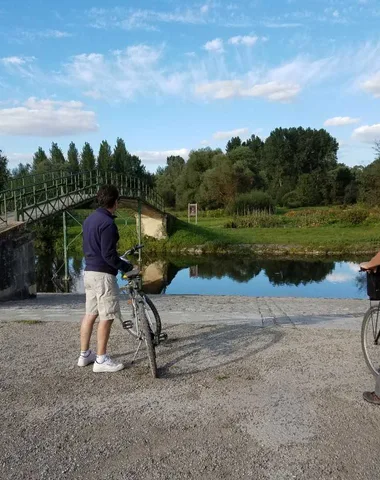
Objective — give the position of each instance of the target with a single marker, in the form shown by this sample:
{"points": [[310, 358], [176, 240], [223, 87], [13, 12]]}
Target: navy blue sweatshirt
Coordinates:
{"points": [[100, 237]]}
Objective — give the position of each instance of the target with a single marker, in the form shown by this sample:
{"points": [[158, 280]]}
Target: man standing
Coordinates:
{"points": [[100, 237]]}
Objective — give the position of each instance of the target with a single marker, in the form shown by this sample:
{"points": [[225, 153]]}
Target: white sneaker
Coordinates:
{"points": [[108, 366], [84, 361]]}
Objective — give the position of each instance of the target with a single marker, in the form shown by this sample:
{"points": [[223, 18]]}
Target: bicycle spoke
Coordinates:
{"points": [[137, 351]]}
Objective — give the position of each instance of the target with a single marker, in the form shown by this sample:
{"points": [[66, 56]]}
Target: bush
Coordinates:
{"points": [[257, 219], [291, 200], [354, 216], [246, 203]]}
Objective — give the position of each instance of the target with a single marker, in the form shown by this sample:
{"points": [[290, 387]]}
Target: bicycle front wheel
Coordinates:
{"points": [[148, 338], [153, 316], [371, 339]]}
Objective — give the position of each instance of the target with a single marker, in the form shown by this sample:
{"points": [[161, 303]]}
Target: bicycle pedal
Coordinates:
{"points": [[127, 324], [163, 337]]}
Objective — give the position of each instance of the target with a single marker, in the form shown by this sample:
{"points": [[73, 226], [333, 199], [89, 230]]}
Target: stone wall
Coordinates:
{"points": [[17, 264]]}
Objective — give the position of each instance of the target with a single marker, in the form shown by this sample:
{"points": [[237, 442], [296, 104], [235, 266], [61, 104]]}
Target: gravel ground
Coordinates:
{"points": [[236, 399]]}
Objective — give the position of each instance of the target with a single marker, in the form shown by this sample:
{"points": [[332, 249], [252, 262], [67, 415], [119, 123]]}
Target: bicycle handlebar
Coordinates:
{"points": [[132, 250]]}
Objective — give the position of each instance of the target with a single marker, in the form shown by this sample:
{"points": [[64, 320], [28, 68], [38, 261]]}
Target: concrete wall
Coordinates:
{"points": [[17, 264], [153, 226]]}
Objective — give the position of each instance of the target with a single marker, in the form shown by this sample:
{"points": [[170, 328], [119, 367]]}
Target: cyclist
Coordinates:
{"points": [[372, 397], [100, 237]]}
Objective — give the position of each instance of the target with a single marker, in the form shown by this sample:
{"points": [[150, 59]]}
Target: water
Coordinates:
{"points": [[208, 275]]}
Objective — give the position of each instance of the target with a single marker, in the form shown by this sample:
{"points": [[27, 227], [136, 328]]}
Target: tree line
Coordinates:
{"points": [[118, 160], [293, 167]]}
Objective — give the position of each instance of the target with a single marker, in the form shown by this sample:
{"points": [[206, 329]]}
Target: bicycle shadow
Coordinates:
{"points": [[212, 347]]}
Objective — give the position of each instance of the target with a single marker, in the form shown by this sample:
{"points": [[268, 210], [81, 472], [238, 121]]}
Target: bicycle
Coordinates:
{"points": [[370, 332], [145, 324]]}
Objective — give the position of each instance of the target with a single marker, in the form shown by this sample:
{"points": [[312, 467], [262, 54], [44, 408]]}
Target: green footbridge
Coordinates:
{"points": [[37, 197]]}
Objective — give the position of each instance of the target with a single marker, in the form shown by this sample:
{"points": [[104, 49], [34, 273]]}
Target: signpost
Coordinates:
{"points": [[192, 211]]}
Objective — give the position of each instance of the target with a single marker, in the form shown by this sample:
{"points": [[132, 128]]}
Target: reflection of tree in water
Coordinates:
{"points": [[243, 269], [290, 272], [240, 269]]}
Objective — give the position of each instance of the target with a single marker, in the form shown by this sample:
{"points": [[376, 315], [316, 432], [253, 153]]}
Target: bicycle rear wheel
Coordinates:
{"points": [[370, 337], [148, 338]]}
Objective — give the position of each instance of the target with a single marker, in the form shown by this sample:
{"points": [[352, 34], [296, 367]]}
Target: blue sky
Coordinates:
{"points": [[170, 76]]}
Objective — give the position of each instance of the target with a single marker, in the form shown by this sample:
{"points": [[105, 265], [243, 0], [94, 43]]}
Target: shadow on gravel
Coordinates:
{"points": [[217, 347]]}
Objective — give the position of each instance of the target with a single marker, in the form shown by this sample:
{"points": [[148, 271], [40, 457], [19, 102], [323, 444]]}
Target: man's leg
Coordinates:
{"points": [[86, 331], [109, 308], [104, 329], [377, 388], [373, 397]]}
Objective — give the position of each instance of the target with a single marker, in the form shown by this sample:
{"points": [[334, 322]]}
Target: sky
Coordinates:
{"points": [[170, 76]]}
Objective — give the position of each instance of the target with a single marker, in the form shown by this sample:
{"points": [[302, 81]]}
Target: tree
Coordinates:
{"points": [[87, 158], [105, 156], [188, 185], [56, 157], [22, 170], [220, 184], [235, 142], [167, 178], [73, 158], [120, 156], [41, 163], [4, 172]]}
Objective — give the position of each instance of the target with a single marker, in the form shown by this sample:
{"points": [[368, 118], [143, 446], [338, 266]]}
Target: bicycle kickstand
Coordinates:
{"points": [[137, 351]]}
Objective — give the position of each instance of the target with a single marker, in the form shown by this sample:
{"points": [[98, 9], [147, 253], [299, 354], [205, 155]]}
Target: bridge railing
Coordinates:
{"points": [[30, 198]]}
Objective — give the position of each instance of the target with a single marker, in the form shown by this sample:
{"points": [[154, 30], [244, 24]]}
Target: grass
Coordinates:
{"points": [[329, 234]]}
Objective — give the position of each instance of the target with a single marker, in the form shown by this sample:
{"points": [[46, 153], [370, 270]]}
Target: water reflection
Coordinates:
{"points": [[242, 275]]}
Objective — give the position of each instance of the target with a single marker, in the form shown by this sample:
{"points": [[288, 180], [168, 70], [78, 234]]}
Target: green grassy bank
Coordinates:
{"points": [[311, 232]]}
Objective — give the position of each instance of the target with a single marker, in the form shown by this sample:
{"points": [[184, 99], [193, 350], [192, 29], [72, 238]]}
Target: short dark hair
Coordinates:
{"points": [[107, 196]]}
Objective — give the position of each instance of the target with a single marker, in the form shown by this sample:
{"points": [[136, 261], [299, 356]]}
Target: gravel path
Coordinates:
{"points": [[263, 393]]}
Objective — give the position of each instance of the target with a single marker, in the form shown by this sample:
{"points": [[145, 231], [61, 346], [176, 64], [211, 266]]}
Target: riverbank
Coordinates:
{"points": [[243, 394]]}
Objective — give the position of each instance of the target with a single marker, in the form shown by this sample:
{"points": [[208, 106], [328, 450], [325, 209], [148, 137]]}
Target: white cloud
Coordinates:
{"points": [[13, 60], [123, 74], [247, 40], [340, 121], [205, 8], [159, 157], [339, 277], [229, 134], [372, 85], [282, 25], [273, 91], [45, 118], [335, 13], [367, 133], [204, 142], [53, 34], [215, 45], [16, 158]]}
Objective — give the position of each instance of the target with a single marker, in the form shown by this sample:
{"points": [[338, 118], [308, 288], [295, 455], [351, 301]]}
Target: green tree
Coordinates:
{"points": [[41, 163], [57, 159], [105, 156], [167, 178], [235, 142], [120, 156], [73, 158], [22, 170], [220, 184], [4, 172], [188, 185], [87, 158]]}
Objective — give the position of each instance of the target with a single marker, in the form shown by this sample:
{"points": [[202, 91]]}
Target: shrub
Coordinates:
{"points": [[291, 200], [246, 203], [354, 215]]}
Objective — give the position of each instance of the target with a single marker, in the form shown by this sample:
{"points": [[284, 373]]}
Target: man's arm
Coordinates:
{"points": [[108, 249]]}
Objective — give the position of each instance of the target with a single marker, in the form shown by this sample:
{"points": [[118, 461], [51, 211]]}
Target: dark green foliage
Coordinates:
{"points": [[246, 203], [73, 158], [41, 163], [235, 142], [105, 156], [87, 158], [57, 159], [4, 172]]}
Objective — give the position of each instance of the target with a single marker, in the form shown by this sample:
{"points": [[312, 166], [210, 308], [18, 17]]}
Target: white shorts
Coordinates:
{"points": [[102, 295]]}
